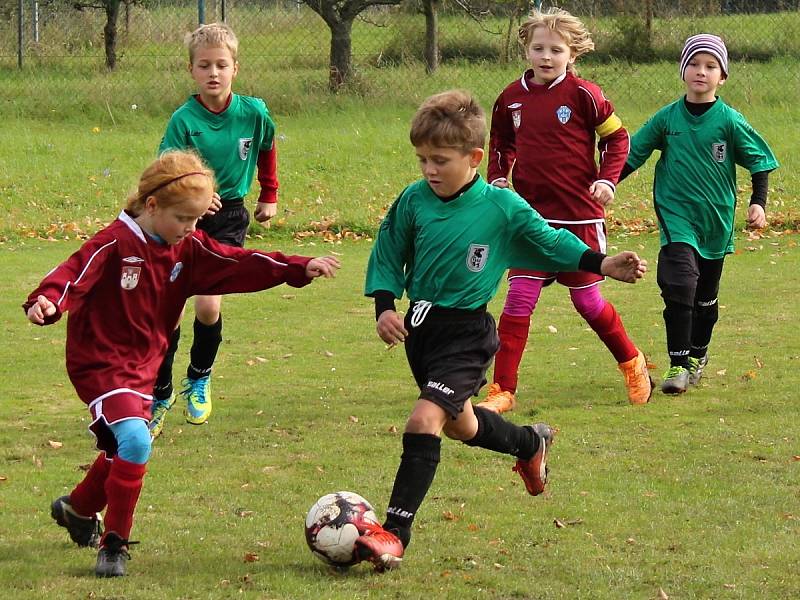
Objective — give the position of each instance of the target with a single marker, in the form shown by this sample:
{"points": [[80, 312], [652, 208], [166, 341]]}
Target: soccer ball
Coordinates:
{"points": [[334, 523]]}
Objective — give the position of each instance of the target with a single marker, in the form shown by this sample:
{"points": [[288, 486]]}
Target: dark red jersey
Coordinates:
{"points": [[125, 292], [544, 136]]}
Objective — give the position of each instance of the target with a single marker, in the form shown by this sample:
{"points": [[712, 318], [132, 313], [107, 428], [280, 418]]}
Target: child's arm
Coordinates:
{"points": [[267, 165], [613, 145], [753, 153], [502, 145]]}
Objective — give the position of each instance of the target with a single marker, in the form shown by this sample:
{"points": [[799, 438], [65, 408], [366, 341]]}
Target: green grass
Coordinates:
{"points": [[696, 495]]}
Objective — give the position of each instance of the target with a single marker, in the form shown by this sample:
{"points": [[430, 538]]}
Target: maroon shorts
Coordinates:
{"points": [[593, 235], [114, 406]]}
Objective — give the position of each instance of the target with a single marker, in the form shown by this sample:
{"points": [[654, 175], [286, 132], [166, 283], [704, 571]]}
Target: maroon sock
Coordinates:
{"points": [[513, 332], [608, 327], [122, 489], [89, 496]]}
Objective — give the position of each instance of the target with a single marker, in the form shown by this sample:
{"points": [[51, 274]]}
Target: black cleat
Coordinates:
{"points": [[84, 531], [113, 556]]}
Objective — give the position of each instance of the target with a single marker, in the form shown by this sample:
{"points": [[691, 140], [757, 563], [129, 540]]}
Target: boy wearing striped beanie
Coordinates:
{"points": [[701, 140]]}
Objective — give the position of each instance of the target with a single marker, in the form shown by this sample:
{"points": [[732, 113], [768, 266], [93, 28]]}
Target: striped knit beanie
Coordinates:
{"points": [[708, 43]]}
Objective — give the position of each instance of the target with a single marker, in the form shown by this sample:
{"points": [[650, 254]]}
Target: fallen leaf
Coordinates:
{"points": [[630, 541], [392, 429], [55, 445], [722, 372], [662, 595], [759, 364], [3, 478], [353, 419], [261, 359], [749, 375], [498, 566], [287, 355], [558, 524], [251, 557], [552, 329], [328, 353], [472, 527], [449, 516], [729, 586], [796, 457], [241, 512]]}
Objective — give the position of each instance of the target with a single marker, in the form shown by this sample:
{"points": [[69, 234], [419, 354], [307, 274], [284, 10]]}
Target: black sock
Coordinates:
{"points": [[207, 339], [705, 316], [421, 452], [495, 433], [678, 323], [163, 386]]}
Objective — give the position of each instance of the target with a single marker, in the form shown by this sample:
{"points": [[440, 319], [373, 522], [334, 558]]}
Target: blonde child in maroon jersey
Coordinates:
{"points": [[125, 289], [544, 129]]}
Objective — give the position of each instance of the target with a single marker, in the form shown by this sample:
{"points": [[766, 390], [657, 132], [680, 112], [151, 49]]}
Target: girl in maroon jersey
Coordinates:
{"points": [[543, 134], [125, 289]]}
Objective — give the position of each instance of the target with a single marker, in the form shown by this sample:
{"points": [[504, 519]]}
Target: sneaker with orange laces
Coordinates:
{"points": [[498, 400], [380, 547], [637, 379], [534, 470]]}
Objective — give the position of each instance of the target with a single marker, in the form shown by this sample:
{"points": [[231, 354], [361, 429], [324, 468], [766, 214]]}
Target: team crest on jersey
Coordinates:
{"points": [[130, 277], [176, 270], [244, 147], [719, 151], [516, 118], [477, 256], [564, 113]]}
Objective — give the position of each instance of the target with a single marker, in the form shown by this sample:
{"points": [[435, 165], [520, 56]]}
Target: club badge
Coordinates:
{"points": [[564, 113], [176, 270], [130, 277], [516, 117], [718, 151], [476, 257], [244, 147]]}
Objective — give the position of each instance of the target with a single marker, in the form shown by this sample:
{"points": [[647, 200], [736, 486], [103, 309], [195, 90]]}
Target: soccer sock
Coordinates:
{"points": [[497, 434], [122, 489], [608, 327], [678, 323], [513, 332], [207, 339], [704, 318], [89, 496], [163, 386], [418, 463]]}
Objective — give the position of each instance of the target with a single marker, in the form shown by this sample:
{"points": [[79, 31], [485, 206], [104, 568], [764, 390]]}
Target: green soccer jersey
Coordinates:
{"points": [[454, 253], [695, 180], [229, 142]]}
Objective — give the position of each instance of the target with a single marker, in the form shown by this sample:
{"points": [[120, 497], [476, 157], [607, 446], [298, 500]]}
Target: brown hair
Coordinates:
{"points": [[451, 119], [568, 26], [212, 35], [170, 178]]}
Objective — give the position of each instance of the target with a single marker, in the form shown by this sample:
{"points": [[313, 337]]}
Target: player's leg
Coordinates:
{"points": [[79, 511], [677, 277], [163, 392], [704, 316], [205, 345], [515, 321], [603, 318]]}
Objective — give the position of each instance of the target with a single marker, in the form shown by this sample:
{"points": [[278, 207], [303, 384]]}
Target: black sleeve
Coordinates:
{"points": [[626, 170], [384, 300], [760, 187], [591, 261]]}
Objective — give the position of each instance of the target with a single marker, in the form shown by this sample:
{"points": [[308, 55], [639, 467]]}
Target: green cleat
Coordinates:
{"points": [[696, 367], [676, 380], [198, 399], [160, 409]]}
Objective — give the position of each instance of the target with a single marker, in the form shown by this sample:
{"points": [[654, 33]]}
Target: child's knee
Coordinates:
{"points": [[133, 440], [523, 294], [589, 302]]}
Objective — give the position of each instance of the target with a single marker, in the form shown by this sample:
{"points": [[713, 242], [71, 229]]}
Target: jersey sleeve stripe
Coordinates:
{"points": [[83, 272], [609, 126]]}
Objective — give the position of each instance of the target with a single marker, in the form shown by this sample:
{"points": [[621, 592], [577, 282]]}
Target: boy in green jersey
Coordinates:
{"points": [[234, 134], [701, 140], [446, 242]]}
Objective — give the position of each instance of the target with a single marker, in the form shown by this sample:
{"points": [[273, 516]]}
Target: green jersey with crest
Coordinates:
{"points": [[694, 192], [229, 142], [454, 253]]}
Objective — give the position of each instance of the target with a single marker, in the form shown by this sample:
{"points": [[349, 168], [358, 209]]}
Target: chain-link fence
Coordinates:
{"points": [[130, 51]]}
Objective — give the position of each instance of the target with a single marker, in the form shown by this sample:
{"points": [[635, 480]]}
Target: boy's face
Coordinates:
{"points": [[447, 170], [703, 75], [549, 55], [214, 69]]}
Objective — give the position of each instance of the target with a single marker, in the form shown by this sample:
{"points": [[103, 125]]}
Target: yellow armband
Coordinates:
{"points": [[609, 126]]}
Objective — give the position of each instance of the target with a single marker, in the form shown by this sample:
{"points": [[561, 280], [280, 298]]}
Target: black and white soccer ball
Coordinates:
{"points": [[334, 523]]}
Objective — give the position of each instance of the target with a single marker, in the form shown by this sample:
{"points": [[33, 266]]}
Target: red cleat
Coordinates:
{"points": [[380, 547], [534, 470]]}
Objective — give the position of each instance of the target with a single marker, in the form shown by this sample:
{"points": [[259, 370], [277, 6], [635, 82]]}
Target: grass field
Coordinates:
{"points": [[695, 495]]}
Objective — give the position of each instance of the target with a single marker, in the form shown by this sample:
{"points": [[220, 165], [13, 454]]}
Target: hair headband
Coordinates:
{"points": [[173, 180]]}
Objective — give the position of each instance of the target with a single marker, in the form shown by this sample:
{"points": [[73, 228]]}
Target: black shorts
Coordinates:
{"points": [[229, 225], [449, 354], [686, 277]]}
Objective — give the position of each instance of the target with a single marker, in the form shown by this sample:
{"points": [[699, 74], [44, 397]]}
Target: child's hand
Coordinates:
{"points": [[43, 308], [216, 204], [601, 192], [625, 266], [265, 211], [756, 217], [390, 328], [501, 183], [322, 266]]}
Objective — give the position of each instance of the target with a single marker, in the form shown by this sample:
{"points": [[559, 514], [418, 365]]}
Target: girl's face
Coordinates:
{"points": [[703, 75], [213, 70], [549, 55], [175, 222]]}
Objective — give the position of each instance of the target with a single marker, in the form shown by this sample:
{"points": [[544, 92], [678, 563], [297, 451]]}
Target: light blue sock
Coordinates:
{"points": [[133, 440]]}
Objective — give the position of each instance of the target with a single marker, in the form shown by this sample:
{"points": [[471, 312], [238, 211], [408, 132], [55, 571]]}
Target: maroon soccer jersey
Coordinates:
{"points": [[125, 292], [545, 137]]}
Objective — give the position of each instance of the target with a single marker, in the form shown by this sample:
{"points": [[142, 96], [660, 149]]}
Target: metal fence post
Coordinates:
{"points": [[222, 8], [201, 12], [35, 20], [20, 32]]}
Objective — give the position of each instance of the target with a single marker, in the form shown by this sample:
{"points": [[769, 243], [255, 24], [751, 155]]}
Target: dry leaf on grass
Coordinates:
{"points": [[54, 444], [251, 557]]}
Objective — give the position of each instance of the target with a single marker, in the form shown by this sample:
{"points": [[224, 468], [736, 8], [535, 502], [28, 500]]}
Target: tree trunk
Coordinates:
{"points": [[341, 54], [110, 33], [431, 10]]}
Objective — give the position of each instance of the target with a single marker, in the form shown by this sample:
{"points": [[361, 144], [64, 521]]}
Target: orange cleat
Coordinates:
{"points": [[497, 400], [637, 379], [380, 547], [534, 470]]}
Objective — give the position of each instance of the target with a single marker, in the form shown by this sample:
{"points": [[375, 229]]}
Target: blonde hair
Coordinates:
{"points": [[451, 119], [212, 35], [171, 178], [568, 26]]}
